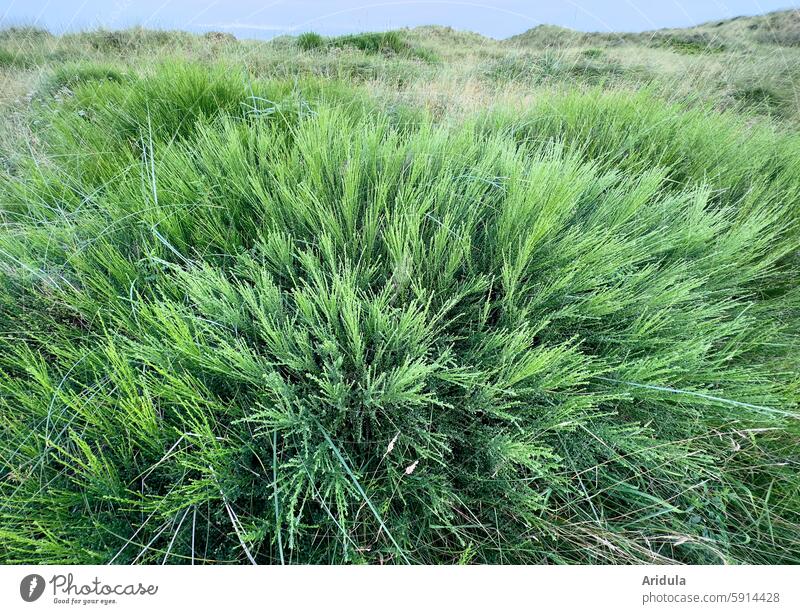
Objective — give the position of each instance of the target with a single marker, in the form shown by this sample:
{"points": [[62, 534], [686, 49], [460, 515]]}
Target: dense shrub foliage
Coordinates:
{"points": [[269, 322]]}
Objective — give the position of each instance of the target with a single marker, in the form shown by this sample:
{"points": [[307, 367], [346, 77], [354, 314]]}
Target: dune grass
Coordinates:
{"points": [[274, 321], [746, 64]]}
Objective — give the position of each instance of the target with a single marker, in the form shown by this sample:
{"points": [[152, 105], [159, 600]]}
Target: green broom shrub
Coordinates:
{"points": [[267, 322]]}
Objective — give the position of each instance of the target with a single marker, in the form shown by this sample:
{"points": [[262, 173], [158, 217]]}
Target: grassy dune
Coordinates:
{"points": [[417, 297]]}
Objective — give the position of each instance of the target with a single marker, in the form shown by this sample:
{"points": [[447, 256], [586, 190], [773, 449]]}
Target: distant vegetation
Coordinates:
{"points": [[416, 296], [391, 43]]}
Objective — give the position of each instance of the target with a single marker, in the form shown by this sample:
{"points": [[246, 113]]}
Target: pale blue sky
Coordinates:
{"points": [[268, 18]]}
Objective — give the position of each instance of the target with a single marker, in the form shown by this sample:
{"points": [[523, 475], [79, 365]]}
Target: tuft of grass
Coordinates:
{"points": [[309, 41], [220, 37], [593, 53], [759, 97], [29, 34], [131, 40], [70, 76], [689, 43], [390, 43], [274, 324], [553, 67], [373, 42], [6, 58], [16, 58]]}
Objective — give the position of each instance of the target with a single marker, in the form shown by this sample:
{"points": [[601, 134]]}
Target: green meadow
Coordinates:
{"points": [[412, 297]]}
